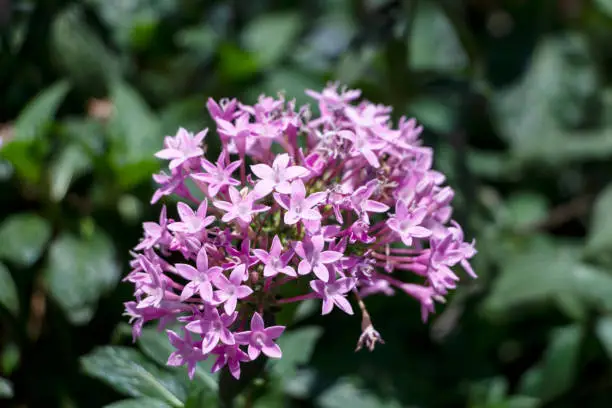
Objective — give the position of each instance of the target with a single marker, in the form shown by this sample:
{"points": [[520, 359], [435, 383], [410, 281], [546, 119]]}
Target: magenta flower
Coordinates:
{"points": [[407, 224], [199, 279], [219, 175], [154, 232], [186, 352], [278, 176], [314, 258], [213, 328], [231, 356], [182, 147], [232, 289], [300, 207], [261, 339], [275, 261], [192, 222], [363, 145], [334, 293], [334, 175], [242, 206], [363, 205]]}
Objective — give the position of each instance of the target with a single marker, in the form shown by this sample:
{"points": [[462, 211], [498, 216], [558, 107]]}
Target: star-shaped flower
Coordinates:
{"points": [[242, 206], [182, 147], [278, 176], [261, 339], [275, 261]]}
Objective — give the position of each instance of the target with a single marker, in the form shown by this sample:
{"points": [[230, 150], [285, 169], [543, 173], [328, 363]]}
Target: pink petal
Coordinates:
{"points": [[321, 272], [276, 247], [188, 291], [168, 154], [291, 217], [223, 205], [304, 267], [262, 255], [184, 211], [264, 187], [234, 195], [281, 161], [202, 260], [186, 271], [311, 215], [274, 332], [243, 291], [419, 232], [375, 206], [206, 292], [230, 305], [257, 323], [253, 352], [295, 171], [328, 305], [263, 171], [315, 198], [272, 350], [329, 256], [343, 304], [298, 191]]}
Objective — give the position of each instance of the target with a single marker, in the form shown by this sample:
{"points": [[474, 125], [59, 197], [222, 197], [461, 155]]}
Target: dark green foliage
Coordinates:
{"points": [[516, 97]]}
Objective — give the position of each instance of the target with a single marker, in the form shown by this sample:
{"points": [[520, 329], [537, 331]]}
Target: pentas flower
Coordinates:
{"points": [[342, 204]]}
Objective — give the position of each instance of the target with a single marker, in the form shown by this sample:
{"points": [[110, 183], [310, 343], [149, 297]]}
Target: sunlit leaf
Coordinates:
{"points": [[6, 388], [434, 44], [79, 271], [68, 165], [345, 393], [603, 329], [556, 372], [79, 51], [271, 35], [28, 146], [139, 403], [23, 238], [135, 136], [599, 238], [129, 372], [8, 291]]}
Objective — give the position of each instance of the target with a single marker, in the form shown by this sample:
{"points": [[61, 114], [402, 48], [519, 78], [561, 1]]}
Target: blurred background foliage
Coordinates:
{"points": [[515, 95]]}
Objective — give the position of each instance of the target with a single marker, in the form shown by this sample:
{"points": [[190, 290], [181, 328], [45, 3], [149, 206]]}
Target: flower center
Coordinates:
{"points": [[259, 338]]}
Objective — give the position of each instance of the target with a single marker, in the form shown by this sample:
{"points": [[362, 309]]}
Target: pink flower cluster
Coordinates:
{"points": [[342, 201]]}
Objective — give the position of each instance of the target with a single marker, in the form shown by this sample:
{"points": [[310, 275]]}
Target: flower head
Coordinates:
{"points": [[341, 205]]}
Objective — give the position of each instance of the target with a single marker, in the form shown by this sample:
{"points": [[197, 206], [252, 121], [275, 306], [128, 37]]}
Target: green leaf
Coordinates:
{"points": [[6, 388], [524, 209], [33, 121], [8, 291], [129, 372], [434, 44], [23, 238], [605, 6], [155, 345], [345, 393], [553, 95], [27, 148], [139, 403], [79, 271], [599, 238], [555, 374], [271, 35], [135, 135], [69, 164], [128, 19], [542, 272], [603, 329], [80, 52], [297, 346]]}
